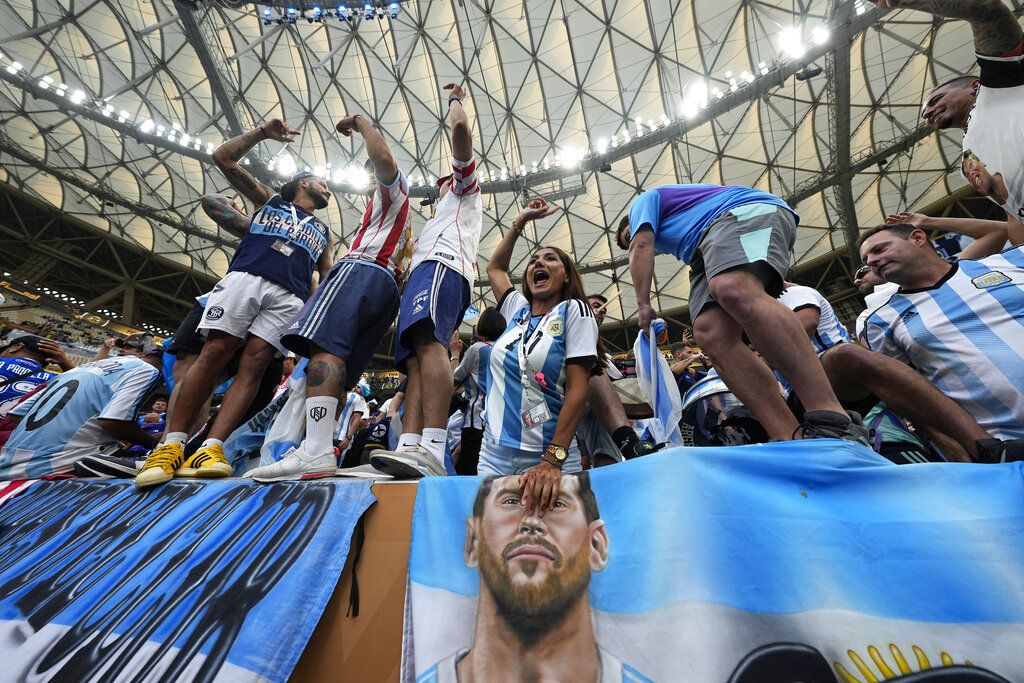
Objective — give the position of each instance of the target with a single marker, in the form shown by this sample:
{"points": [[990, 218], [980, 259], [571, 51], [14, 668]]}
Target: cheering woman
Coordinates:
{"points": [[540, 367]]}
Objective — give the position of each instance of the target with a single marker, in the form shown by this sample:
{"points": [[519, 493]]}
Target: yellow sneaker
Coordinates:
{"points": [[160, 465], [206, 463]]}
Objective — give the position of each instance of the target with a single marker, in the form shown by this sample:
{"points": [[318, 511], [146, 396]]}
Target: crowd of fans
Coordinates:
{"points": [[932, 372]]}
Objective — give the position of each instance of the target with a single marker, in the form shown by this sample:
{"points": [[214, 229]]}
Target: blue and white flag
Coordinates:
{"points": [[658, 386], [470, 313], [190, 581], [817, 558]]}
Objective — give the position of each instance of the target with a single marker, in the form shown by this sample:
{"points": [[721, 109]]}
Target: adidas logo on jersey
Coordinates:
{"points": [[908, 316], [443, 255]]}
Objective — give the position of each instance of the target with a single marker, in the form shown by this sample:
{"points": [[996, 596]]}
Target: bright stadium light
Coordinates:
{"points": [[792, 43]]}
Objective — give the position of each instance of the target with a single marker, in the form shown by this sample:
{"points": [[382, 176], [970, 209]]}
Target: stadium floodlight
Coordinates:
{"points": [[820, 35], [370, 10], [77, 97], [792, 43], [393, 10]]}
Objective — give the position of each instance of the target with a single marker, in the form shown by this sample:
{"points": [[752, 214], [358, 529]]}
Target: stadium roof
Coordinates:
{"points": [[110, 109]]}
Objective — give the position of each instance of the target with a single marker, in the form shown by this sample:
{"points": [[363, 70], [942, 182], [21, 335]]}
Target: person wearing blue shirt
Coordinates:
{"points": [[22, 367], [737, 242]]}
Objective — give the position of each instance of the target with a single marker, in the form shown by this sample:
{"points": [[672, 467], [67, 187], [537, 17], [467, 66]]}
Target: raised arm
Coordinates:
{"points": [[996, 30], [228, 154], [384, 165], [501, 258], [462, 136], [989, 236], [222, 210], [326, 260]]}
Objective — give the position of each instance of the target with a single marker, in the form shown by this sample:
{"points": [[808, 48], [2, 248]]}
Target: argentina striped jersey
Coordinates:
{"points": [[353, 404], [966, 335], [472, 373], [566, 333]]}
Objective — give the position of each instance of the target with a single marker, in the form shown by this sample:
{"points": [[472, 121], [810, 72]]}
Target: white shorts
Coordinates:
{"points": [[243, 303]]}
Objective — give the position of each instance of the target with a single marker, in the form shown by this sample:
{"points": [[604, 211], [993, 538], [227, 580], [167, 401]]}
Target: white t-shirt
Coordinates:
{"points": [[60, 424], [995, 127], [830, 331], [452, 235]]}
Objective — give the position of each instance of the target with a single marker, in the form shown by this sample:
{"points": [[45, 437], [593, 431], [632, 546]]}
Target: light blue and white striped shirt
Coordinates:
{"points": [[568, 331], [354, 403], [966, 335], [472, 373]]}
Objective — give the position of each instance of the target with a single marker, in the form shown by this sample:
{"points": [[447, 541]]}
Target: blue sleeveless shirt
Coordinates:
{"points": [[304, 238]]}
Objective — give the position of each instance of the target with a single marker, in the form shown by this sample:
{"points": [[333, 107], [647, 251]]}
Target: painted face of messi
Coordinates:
{"points": [[536, 568]]}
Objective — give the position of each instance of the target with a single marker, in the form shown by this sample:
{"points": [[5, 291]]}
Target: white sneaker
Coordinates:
{"points": [[297, 465], [362, 472], [412, 463]]}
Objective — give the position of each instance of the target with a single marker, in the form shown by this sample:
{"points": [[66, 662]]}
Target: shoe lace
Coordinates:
{"points": [[164, 456]]}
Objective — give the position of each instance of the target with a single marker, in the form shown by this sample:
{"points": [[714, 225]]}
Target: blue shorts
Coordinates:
{"points": [[435, 293], [347, 315]]}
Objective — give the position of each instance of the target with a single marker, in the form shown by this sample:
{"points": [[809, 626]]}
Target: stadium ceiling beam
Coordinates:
{"points": [[837, 73], [107, 195], [227, 96]]}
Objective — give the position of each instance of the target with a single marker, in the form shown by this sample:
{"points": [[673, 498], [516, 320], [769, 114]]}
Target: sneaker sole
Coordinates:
{"points": [[149, 477], [216, 471], [84, 472], [316, 474], [400, 468], [111, 470]]}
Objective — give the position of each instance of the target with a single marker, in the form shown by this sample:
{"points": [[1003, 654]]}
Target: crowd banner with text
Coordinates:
{"points": [[191, 581], [815, 561]]}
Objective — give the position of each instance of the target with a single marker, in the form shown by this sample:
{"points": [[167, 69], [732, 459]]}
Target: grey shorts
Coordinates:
{"points": [[742, 236]]}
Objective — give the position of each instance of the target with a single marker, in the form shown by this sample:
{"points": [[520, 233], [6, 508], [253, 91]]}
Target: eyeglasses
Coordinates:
{"points": [[861, 272]]}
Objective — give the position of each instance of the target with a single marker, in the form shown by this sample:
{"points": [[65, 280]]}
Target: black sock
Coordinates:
{"points": [[626, 439]]}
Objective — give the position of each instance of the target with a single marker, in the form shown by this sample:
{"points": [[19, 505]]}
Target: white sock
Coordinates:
{"points": [[176, 437], [212, 442], [434, 441], [320, 420], [406, 440]]}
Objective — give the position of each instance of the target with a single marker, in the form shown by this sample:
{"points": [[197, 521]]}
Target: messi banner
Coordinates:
{"points": [[191, 581], [814, 561]]}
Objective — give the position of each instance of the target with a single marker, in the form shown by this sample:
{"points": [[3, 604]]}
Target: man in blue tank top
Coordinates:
{"points": [[267, 282]]}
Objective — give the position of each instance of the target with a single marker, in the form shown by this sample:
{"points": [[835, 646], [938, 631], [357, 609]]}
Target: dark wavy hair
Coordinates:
{"points": [[586, 494], [572, 289]]}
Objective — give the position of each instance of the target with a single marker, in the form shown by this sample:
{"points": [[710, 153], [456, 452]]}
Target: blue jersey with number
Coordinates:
{"points": [[300, 239], [60, 424], [31, 375]]}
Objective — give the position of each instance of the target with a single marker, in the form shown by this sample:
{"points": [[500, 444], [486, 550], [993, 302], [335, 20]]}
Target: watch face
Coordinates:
{"points": [[560, 453]]}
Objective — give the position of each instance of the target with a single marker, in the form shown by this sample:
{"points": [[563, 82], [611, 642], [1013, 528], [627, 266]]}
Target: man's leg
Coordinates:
{"points": [[254, 360], [412, 416], [604, 401], [199, 382], [325, 385], [193, 390], [777, 333], [746, 375], [855, 372], [434, 371]]}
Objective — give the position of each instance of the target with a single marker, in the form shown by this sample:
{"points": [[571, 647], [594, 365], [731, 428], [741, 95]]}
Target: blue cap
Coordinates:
{"points": [[304, 174]]}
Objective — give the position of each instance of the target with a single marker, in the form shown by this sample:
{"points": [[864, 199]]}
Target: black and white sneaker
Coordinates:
{"points": [[827, 424], [108, 467], [996, 451]]}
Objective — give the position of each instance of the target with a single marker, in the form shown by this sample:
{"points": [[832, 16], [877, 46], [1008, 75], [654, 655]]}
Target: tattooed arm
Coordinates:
{"points": [[222, 210], [227, 156], [996, 30]]}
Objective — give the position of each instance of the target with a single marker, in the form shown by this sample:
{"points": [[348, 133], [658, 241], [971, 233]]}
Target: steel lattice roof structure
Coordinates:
{"points": [[110, 108]]}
